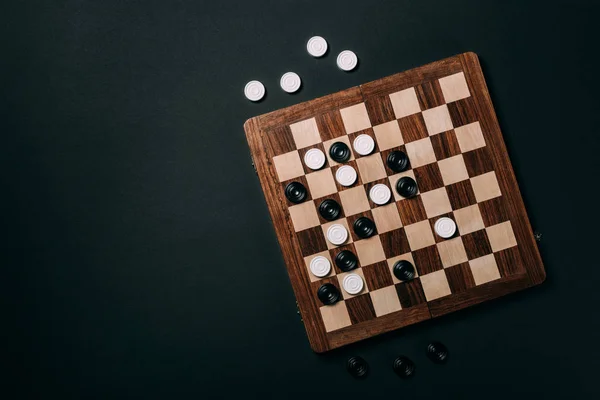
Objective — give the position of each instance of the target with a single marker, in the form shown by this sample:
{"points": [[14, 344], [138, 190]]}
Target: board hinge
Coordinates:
{"points": [[298, 312]]}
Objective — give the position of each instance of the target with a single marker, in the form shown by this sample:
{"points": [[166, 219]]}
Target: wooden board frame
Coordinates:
{"points": [[529, 273]]}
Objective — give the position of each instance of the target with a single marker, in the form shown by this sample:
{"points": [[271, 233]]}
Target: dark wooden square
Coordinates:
{"points": [[394, 243], [330, 125], [360, 308], [460, 277], [509, 262], [430, 95], [380, 110], [280, 140], [312, 240], [428, 177], [476, 244], [445, 145], [478, 161], [427, 260], [413, 127], [493, 211], [461, 194], [410, 293], [377, 275], [411, 210], [463, 112]]}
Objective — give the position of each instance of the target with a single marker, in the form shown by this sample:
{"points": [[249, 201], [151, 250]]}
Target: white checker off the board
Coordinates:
{"points": [[316, 46], [290, 82], [254, 90], [347, 60]]}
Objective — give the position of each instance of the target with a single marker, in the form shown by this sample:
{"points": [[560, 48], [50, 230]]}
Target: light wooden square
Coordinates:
{"points": [[385, 301], [354, 200], [420, 152], [327, 145], [452, 252], [304, 215], [355, 118], [369, 251], [371, 168], [288, 166], [437, 120], [485, 187], [359, 272], [321, 183], [469, 137], [453, 169], [468, 219], [392, 261], [394, 178], [501, 236], [344, 223], [419, 235], [335, 316], [307, 261], [386, 218], [484, 269], [436, 202], [454, 87], [305, 133], [435, 285], [405, 102], [388, 135]]}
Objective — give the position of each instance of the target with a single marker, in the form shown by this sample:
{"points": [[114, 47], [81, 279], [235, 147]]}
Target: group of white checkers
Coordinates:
{"points": [[380, 194], [290, 81]]}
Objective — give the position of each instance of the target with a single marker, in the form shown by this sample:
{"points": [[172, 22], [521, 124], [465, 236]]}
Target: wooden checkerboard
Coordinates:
{"points": [[442, 117]]}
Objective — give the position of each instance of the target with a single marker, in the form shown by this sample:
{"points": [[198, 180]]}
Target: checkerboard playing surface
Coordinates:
{"points": [[441, 117]]}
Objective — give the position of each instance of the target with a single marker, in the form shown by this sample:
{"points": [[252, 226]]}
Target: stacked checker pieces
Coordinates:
{"points": [[437, 123]]}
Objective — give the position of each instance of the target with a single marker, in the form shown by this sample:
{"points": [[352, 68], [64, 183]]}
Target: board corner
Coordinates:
{"points": [[250, 125], [540, 277], [471, 56], [318, 347]]}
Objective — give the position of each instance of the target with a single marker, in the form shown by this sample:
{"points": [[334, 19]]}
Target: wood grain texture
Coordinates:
{"points": [[516, 267]]}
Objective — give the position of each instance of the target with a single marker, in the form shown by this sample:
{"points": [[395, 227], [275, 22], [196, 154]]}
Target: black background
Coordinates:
{"points": [[138, 257]]}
